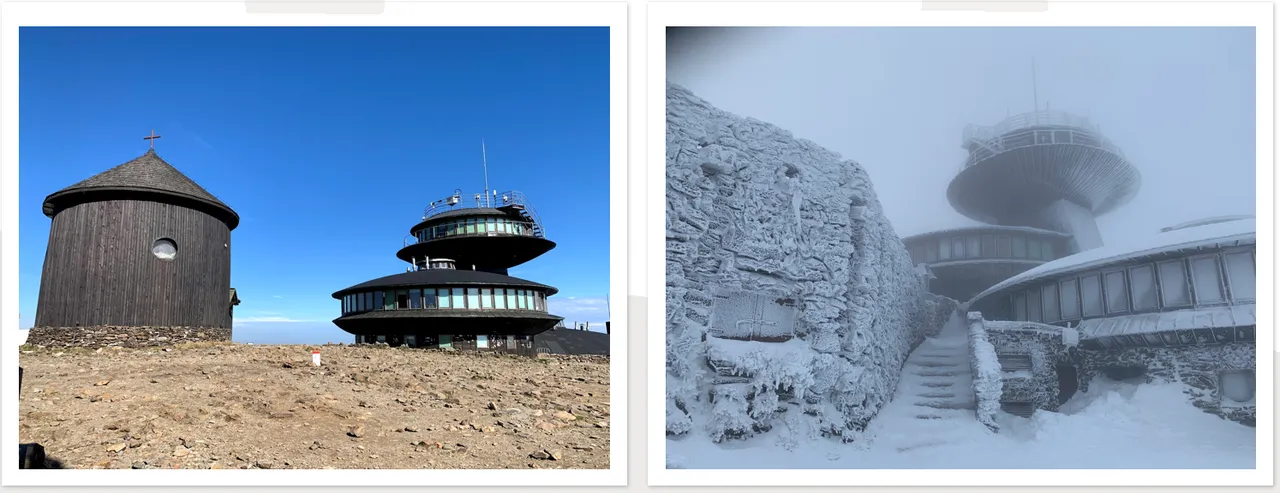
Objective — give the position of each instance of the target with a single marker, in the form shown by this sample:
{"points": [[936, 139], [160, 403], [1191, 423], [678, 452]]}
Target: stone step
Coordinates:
{"points": [[935, 363], [946, 405], [938, 395], [938, 385]]}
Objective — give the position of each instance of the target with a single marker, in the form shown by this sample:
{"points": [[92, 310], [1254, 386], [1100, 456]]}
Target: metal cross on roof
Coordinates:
{"points": [[152, 138]]}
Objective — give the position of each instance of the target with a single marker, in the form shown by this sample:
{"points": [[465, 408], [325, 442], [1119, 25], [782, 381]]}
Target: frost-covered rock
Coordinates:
{"points": [[751, 209]]}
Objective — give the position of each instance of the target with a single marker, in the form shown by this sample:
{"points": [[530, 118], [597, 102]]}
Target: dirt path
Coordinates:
{"points": [[227, 405]]}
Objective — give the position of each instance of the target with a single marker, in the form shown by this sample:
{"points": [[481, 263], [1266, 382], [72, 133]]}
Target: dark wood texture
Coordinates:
{"points": [[99, 268]]}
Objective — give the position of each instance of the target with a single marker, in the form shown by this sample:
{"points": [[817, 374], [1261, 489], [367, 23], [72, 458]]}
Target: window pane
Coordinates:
{"points": [[359, 302], [456, 295], [415, 298], [473, 298], [1091, 296], [429, 298], [402, 299], [957, 247], [944, 249], [1033, 249], [524, 299], [378, 299], [1207, 280], [1020, 306], [1049, 295], [931, 252], [500, 297], [1002, 247], [1142, 282], [486, 298], [1019, 247], [1240, 272], [1173, 284], [1117, 292], [988, 246], [1069, 295], [511, 299], [1046, 250], [971, 248], [442, 297], [1033, 305]]}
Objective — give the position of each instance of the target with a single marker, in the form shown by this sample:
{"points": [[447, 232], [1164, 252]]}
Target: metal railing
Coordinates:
{"points": [[984, 142], [489, 200]]}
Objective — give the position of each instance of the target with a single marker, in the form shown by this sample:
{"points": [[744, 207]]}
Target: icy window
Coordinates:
{"points": [[1206, 279], [1033, 305], [931, 252], [1142, 281], [944, 252], [1049, 295], [1173, 284], [1014, 362], [164, 249], [1069, 294], [1240, 272], [957, 247], [1033, 249], [1019, 247], [973, 248], [1002, 246], [1046, 251], [1091, 296], [1117, 292], [1020, 305], [988, 246], [1237, 385]]}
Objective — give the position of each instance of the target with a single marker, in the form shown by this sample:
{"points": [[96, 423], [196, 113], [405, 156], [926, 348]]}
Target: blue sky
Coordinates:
{"points": [[329, 142]]}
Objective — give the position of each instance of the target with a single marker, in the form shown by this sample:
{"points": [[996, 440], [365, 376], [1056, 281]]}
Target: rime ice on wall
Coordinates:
{"points": [[751, 209], [987, 380]]}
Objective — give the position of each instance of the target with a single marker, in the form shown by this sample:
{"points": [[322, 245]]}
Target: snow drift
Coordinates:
{"points": [[755, 215]]}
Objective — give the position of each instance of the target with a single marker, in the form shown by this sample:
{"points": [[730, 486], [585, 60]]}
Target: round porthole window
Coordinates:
{"points": [[165, 249]]}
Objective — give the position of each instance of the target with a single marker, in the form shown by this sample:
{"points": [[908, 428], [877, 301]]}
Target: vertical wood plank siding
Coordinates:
{"points": [[99, 269]]}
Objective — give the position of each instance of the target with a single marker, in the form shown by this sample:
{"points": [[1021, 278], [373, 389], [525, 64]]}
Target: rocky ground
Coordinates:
{"points": [[226, 405]]}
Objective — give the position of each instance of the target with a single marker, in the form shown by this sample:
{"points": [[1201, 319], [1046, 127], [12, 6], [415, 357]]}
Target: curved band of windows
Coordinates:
{"points": [[476, 226], [445, 298]]}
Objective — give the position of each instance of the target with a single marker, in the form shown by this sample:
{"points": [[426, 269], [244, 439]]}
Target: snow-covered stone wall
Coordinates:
{"points": [[752, 209], [1043, 343], [1201, 367], [987, 385]]}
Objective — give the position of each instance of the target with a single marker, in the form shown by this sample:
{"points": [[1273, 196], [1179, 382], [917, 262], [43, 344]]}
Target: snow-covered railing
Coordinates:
{"points": [[988, 385]]}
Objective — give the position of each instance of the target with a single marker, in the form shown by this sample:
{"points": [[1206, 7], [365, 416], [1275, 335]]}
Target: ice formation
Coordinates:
{"points": [[790, 300]]}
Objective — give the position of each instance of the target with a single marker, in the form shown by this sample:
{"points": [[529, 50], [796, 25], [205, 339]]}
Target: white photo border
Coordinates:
{"points": [[611, 14], [1259, 15]]}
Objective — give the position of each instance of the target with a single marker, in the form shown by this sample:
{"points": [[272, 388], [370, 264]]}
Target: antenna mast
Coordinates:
{"points": [[485, 159], [1035, 94]]}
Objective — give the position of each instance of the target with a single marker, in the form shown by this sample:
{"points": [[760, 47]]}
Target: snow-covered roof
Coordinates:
{"points": [[987, 227], [1208, 235], [1197, 318]]}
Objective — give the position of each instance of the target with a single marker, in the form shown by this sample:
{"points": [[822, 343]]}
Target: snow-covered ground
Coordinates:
{"points": [[930, 424]]}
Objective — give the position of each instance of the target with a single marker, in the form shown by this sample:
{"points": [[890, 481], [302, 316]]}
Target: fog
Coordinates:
{"points": [[1178, 101]]}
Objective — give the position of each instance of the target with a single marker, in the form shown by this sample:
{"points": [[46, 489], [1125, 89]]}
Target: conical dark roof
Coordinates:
{"points": [[147, 176]]}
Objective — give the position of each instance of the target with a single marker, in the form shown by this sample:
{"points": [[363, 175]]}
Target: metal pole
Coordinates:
{"points": [[485, 159]]}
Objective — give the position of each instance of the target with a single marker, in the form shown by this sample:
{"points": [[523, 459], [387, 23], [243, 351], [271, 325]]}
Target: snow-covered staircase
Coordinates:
{"points": [[934, 403]]}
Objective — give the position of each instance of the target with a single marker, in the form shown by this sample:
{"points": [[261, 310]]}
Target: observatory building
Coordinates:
{"points": [[1179, 305], [1038, 181], [138, 253], [456, 293]]}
